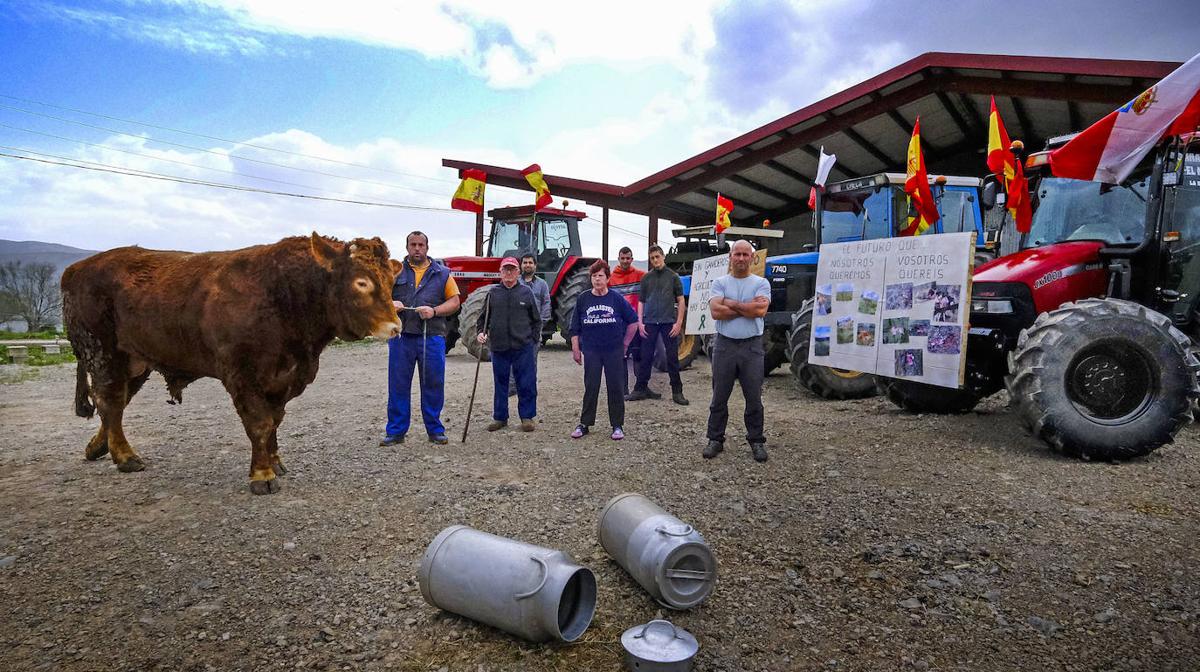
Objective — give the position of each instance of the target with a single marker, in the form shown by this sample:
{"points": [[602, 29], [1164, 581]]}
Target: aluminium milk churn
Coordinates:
{"points": [[665, 555], [533, 592]]}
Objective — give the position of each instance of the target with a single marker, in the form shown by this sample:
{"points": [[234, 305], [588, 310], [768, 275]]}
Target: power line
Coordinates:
{"points": [[220, 139], [76, 163], [221, 154]]}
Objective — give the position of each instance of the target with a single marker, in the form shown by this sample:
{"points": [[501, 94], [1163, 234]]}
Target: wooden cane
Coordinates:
{"points": [[487, 307]]}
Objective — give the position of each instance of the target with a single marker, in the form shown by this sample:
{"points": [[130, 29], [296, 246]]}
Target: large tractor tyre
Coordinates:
{"points": [[823, 381], [472, 308], [707, 343], [775, 349], [1103, 379], [984, 256], [687, 351], [576, 283], [923, 398], [452, 332]]}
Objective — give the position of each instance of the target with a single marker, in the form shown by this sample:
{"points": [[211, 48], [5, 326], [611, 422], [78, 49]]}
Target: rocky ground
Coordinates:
{"points": [[872, 539]]}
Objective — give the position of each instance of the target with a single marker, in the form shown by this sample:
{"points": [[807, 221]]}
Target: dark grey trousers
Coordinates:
{"points": [[736, 361]]}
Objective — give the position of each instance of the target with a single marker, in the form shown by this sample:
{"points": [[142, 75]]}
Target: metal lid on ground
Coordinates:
{"points": [[657, 643]]}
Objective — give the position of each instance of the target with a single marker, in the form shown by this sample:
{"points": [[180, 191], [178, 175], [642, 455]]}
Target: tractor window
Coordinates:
{"points": [[554, 242], [844, 215], [1183, 255], [958, 211], [509, 239], [1077, 210]]}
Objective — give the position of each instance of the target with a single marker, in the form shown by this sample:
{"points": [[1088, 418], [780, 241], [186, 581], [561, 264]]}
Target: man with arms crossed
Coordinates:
{"points": [[739, 302]]}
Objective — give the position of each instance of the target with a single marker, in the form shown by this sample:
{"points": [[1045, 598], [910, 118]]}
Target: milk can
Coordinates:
{"points": [[533, 592], [665, 555]]}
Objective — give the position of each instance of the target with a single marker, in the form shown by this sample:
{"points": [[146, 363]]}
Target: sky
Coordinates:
{"points": [[360, 100]]}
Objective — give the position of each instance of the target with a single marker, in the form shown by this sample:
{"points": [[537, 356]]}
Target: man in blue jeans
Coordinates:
{"points": [[661, 310], [512, 329], [424, 295]]}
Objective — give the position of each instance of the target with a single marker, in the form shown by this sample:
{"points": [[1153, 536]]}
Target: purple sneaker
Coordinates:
{"points": [[617, 434], [580, 430]]}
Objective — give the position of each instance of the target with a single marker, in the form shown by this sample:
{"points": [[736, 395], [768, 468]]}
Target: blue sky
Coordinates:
{"points": [[612, 93]]}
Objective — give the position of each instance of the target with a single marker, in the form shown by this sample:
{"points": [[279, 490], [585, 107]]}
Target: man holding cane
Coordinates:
{"points": [[512, 324]]}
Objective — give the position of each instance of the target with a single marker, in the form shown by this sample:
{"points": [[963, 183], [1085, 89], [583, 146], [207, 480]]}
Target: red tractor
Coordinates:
{"points": [[552, 237], [1091, 322]]}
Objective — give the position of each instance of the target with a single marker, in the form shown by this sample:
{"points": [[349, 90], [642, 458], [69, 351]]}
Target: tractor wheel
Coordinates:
{"points": [[983, 256], [452, 332], [923, 398], [1103, 379], [472, 308], [707, 342], [775, 349], [688, 350], [823, 381], [578, 282]]}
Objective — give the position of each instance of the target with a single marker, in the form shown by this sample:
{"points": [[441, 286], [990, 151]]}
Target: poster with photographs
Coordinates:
{"points": [[895, 307]]}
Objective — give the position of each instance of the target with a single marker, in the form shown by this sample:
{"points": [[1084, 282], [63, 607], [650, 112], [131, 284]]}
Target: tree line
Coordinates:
{"points": [[30, 292]]}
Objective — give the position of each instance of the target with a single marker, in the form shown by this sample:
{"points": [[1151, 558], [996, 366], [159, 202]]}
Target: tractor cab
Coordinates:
{"points": [[876, 206], [551, 236]]}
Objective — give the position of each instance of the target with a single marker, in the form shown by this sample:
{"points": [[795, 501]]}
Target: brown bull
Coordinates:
{"points": [[256, 319]]}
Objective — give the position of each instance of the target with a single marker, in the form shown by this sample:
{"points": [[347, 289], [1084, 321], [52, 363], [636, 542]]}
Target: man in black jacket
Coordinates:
{"points": [[513, 327]]}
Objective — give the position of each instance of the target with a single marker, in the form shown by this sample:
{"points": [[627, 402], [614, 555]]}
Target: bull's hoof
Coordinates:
{"points": [[131, 465], [96, 451], [278, 468], [264, 487]]}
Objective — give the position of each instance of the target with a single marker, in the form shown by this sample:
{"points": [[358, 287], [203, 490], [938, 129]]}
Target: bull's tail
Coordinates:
{"points": [[83, 393]]}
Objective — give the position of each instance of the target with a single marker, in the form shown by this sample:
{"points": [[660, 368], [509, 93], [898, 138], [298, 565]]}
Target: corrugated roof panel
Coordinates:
{"points": [[750, 197], [902, 84], [775, 179]]}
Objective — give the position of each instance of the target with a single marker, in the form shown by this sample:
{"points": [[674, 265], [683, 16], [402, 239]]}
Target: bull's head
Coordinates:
{"points": [[360, 292]]}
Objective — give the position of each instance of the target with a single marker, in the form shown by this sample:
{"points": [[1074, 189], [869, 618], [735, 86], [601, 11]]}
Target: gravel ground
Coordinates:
{"points": [[872, 540]]}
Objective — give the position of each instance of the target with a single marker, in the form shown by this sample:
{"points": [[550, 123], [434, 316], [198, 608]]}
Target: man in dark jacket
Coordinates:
{"points": [[424, 295], [661, 311], [513, 328]]}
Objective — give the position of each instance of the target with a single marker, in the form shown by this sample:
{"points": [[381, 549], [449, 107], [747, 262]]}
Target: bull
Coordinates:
{"points": [[257, 319]]}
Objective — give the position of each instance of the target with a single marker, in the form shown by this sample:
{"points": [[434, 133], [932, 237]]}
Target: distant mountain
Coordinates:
{"points": [[36, 252]]}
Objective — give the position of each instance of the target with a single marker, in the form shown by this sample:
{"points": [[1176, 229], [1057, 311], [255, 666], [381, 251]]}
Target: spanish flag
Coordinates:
{"points": [[469, 195], [724, 207], [533, 175], [1008, 170], [916, 185]]}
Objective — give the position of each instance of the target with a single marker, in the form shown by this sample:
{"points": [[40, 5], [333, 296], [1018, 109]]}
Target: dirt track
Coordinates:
{"points": [[872, 540]]}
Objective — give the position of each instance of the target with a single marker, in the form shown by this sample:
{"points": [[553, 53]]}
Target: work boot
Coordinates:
{"points": [[678, 398], [713, 449], [759, 450], [439, 439], [652, 394], [527, 425], [392, 440], [497, 425], [638, 394]]}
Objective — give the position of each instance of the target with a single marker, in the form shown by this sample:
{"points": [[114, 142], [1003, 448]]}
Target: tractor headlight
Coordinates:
{"points": [[991, 306]]}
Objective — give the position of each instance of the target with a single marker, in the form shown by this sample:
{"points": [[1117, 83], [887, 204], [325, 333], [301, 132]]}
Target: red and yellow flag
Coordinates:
{"points": [[1008, 170], [533, 175], [916, 185], [724, 207], [469, 195]]}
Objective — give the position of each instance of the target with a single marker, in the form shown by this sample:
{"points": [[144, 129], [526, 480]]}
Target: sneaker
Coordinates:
{"points": [[392, 439], [439, 439], [580, 430], [527, 425], [759, 450], [678, 398], [497, 425], [638, 395], [652, 394], [617, 434], [713, 449]]}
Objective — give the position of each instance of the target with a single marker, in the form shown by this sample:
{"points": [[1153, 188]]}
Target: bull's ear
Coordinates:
{"points": [[323, 251], [397, 267]]}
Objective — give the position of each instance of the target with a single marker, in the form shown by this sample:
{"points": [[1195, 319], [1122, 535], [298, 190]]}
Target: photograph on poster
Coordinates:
{"points": [[923, 292], [918, 328], [869, 302], [945, 303], [821, 341], [909, 363], [899, 297], [945, 340], [866, 334], [824, 299], [895, 330], [845, 330], [845, 291]]}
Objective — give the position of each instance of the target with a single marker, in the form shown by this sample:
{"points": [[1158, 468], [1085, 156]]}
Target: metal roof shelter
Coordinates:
{"points": [[768, 171]]}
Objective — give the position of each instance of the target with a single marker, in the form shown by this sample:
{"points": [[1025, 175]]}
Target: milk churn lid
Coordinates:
{"points": [[659, 642], [688, 573]]}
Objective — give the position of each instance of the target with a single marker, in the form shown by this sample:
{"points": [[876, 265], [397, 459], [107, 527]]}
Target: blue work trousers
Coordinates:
{"points": [[521, 362], [404, 356]]}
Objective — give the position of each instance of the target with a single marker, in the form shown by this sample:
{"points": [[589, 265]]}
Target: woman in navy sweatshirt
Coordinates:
{"points": [[601, 329]]}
